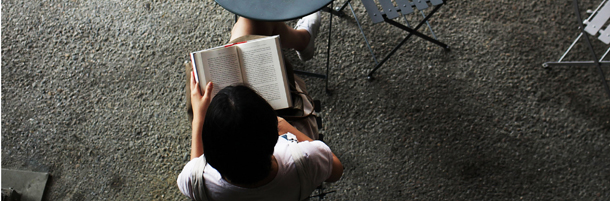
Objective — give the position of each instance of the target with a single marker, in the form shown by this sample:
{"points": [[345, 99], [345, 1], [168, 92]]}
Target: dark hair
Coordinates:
{"points": [[239, 134]]}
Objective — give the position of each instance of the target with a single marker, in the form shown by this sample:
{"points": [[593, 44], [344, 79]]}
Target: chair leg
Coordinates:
{"points": [[338, 11], [571, 46], [330, 29], [597, 63], [330, 26], [429, 27], [363, 35], [574, 63], [599, 66], [415, 32], [370, 75], [411, 32]]}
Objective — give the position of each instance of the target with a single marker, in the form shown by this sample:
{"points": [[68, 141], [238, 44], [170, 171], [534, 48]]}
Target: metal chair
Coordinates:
{"points": [[390, 12], [597, 20]]}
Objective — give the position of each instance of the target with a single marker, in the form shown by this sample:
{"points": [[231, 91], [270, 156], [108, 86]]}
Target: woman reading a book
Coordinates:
{"points": [[241, 150]]}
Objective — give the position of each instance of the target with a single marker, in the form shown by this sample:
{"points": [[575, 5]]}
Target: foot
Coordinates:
{"points": [[311, 23]]}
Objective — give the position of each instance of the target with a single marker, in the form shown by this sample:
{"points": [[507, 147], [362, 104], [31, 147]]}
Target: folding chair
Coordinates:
{"points": [[594, 24], [390, 12]]}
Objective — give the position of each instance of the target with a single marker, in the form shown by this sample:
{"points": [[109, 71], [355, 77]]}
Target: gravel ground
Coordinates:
{"points": [[93, 93]]}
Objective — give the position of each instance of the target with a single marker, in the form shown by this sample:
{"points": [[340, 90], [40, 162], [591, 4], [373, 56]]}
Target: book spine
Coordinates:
{"points": [[229, 45], [194, 67]]}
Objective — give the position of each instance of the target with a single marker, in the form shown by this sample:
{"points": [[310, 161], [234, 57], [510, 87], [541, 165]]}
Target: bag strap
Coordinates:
{"points": [[298, 92], [301, 165], [197, 180]]}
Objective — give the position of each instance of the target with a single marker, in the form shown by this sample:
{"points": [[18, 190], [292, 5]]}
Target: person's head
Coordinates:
{"points": [[239, 134]]}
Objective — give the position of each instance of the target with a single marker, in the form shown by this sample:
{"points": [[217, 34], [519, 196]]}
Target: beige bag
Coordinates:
{"points": [[302, 116]]}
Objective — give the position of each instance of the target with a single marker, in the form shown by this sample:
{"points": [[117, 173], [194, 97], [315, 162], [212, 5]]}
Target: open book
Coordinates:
{"points": [[257, 63]]}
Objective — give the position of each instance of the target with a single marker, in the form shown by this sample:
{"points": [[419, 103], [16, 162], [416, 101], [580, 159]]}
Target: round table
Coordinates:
{"points": [[273, 10]]}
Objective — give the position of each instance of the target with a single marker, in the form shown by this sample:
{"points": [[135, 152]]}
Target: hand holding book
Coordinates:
{"points": [[200, 101], [257, 63]]}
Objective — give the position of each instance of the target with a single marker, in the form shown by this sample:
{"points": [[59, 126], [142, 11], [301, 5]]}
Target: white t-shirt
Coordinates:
{"points": [[285, 185]]}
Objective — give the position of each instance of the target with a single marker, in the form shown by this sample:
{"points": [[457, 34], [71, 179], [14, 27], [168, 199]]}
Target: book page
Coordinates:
{"points": [[263, 69], [218, 65]]}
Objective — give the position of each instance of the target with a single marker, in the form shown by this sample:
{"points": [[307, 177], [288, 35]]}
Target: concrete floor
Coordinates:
{"points": [[93, 93]]}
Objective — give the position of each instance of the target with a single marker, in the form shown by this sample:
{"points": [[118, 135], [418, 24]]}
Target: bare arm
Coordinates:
{"points": [[284, 127], [200, 106], [196, 141]]}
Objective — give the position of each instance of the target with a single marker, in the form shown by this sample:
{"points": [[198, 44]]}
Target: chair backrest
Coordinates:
{"points": [[390, 11], [601, 17]]}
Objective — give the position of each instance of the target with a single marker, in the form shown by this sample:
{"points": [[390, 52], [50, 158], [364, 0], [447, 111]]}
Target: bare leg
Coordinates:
{"points": [[289, 37]]}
